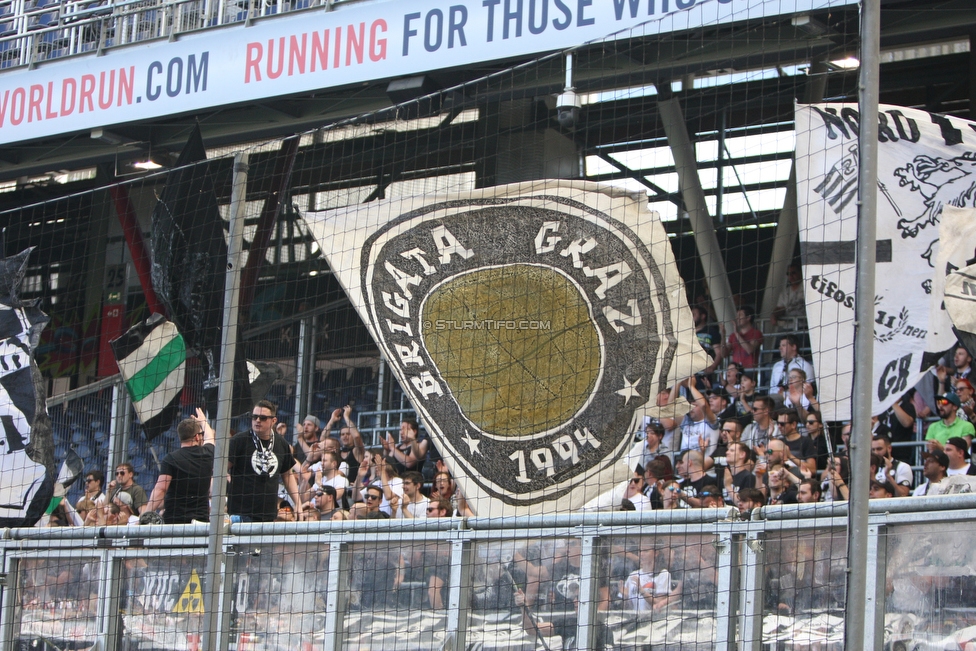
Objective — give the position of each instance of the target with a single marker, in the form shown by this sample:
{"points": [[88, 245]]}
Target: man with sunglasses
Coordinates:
{"points": [[125, 482], [950, 425], [183, 485], [256, 461], [93, 497]]}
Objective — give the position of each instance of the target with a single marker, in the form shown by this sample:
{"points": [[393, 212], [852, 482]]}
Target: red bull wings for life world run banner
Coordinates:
{"points": [[315, 50]]}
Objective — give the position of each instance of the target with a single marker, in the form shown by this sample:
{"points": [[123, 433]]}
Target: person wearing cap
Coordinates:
{"points": [[327, 504], [183, 485], [899, 474], [934, 469], [880, 490], [720, 402], [957, 451], [951, 425], [307, 440]]}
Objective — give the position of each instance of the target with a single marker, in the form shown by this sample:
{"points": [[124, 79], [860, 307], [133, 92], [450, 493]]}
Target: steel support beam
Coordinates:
{"points": [[709, 252]]}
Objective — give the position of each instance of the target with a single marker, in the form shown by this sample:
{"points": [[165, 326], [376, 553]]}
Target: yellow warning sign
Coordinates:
{"points": [[191, 601]]}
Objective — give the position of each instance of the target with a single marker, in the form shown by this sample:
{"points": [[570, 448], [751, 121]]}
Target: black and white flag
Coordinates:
{"points": [[532, 326], [27, 470], [926, 162]]}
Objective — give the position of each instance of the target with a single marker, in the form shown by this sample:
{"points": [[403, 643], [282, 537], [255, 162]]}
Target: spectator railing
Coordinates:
{"points": [[33, 31], [776, 580]]}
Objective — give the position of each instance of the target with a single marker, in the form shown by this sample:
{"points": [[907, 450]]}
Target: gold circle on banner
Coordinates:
{"points": [[516, 345]]}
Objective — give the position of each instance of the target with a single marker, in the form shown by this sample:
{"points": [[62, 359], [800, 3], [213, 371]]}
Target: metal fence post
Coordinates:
{"points": [[585, 625], [875, 588], [727, 558], [109, 601], [304, 372], [458, 596], [8, 600], [338, 594], [215, 634], [751, 610]]}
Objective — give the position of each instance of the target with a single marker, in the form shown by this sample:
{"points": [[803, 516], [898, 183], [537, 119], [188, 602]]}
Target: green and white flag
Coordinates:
{"points": [[152, 359]]}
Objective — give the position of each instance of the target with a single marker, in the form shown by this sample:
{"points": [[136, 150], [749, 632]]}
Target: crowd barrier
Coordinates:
{"points": [[713, 581]]}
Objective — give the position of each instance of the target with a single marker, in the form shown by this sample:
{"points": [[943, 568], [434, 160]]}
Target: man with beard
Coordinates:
{"points": [[183, 486], [950, 425], [307, 439]]}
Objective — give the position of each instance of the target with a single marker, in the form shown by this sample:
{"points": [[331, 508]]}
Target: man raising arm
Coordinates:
{"points": [[183, 486]]}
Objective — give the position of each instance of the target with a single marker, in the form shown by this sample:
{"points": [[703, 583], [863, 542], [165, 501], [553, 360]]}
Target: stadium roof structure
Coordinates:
{"points": [[927, 64]]}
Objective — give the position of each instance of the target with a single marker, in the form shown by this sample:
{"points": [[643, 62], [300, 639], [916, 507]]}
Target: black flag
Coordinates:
{"points": [[189, 264]]}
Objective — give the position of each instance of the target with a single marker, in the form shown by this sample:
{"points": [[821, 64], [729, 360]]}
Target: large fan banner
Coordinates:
{"points": [[531, 325], [926, 162], [27, 469]]}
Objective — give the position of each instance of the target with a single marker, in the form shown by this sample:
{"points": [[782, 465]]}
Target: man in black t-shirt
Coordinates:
{"points": [[803, 452], [256, 460], [183, 486]]}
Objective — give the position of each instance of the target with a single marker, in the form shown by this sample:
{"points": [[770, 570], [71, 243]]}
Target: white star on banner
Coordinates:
{"points": [[630, 390], [472, 443]]}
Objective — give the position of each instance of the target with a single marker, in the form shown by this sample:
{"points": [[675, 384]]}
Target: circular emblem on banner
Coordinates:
{"points": [[526, 331]]}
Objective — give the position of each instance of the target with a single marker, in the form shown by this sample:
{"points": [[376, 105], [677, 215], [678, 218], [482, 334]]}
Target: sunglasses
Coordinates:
{"points": [[728, 431], [942, 402], [260, 417], [119, 473], [372, 497], [635, 480], [812, 422]]}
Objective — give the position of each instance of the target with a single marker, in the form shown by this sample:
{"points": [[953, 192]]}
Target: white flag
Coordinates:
{"points": [[925, 163], [531, 325]]}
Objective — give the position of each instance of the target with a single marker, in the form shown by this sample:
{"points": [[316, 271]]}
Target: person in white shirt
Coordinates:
{"points": [[763, 428], [789, 347], [896, 472], [330, 475], [934, 470], [650, 586], [699, 429], [413, 504], [957, 451], [634, 493], [375, 472]]}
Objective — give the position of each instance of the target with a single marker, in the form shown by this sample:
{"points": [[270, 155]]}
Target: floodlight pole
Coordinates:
{"points": [[867, 191], [216, 614]]}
